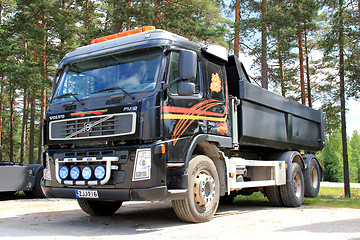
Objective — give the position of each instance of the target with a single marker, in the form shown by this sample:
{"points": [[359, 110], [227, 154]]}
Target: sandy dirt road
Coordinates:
{"points": [[63, 219]]}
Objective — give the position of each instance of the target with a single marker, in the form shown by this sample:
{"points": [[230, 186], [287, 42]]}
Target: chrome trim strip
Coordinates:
{"points": [[108, 116]]}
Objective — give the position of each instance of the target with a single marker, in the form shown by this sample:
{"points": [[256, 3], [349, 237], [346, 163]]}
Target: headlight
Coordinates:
{"points": [[75, 173], [87, 172], [64, 172], [142, 168], [100, 172]]}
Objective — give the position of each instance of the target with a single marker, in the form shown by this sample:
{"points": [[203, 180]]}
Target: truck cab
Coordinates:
{"points": [[144, 116]]}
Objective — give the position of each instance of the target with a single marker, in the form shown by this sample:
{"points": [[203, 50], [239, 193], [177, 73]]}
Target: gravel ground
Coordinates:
{"points": [[63, 219]]}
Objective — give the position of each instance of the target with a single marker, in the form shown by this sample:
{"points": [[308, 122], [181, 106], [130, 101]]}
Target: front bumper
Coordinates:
{"points": [[160, 193]]}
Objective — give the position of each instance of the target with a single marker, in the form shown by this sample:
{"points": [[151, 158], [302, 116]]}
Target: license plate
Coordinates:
{"points": [[86, 194]]}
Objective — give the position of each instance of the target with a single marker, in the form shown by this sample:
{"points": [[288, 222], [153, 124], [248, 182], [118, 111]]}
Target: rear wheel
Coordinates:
{"points": [[274, 197], [202, 198], [36, 192], [99, 208], [312, 177], [292, 193]]}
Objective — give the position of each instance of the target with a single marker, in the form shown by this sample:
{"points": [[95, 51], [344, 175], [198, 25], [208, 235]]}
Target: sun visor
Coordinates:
{"points": [[217, 51]]}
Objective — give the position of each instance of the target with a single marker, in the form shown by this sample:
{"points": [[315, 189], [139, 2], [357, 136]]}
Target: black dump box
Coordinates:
{"points": [[266, 119]]}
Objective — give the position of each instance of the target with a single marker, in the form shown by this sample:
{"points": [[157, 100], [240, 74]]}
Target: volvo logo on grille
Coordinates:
{"points": [[87, 127]]}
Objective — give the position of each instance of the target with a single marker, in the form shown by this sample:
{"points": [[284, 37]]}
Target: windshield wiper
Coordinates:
{"points": [[66, 95], [115, 88]]}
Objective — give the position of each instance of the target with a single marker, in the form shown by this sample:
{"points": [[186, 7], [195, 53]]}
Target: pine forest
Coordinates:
{"points": [[305, 50]]}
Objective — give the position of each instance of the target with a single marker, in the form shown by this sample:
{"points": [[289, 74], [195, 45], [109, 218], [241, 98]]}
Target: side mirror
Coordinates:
{"points": [[186, 88], [187, 65]]}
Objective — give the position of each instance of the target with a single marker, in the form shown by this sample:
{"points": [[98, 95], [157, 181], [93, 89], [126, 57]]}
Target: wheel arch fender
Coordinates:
{"points": [[311, 157], [36, 169], [289, 157], [208, 145]]}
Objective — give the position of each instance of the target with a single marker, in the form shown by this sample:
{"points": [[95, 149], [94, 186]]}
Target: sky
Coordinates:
{"points": [[352, 116]]}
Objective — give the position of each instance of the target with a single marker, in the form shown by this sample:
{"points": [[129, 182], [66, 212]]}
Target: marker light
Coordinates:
{"points": [[86, 173], [122, 34], [75, 173], [64, 172], [100, 172]]}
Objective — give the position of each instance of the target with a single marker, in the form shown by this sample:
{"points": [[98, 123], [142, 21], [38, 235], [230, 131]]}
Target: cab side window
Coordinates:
{"points": [[174, 74]]}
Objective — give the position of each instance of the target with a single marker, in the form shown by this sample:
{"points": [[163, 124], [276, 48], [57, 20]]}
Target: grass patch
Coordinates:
{"points": [[328, 197], [255, 197], [334, 197]]}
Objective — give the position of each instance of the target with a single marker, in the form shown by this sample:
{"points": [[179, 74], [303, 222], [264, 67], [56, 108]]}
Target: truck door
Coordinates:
{"points": [[181, 115], [216, 91]]}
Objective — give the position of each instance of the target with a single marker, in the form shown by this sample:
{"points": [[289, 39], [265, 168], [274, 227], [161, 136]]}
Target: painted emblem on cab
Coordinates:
{"points": [[215, 84]]}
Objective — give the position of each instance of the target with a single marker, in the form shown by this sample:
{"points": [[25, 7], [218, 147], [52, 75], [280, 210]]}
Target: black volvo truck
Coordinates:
{"points": [[149, 115]]}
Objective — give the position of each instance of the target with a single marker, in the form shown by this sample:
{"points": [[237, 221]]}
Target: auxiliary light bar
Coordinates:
{"points": [[122, 34]]}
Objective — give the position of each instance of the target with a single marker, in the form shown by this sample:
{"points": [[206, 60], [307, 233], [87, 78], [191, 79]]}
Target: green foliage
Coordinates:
{"points": [[331, 158], [355, 157], [35, 35]]}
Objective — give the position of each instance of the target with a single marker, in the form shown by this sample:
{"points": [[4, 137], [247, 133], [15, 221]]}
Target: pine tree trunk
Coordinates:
{"points": [[342, 101], [117, 23], [25, 116], [237, 28], [264, 64], [43, 94], [32, 114], [1, 117], [12, 105], [32, 129], [87, 15], [301, 60], [1, 98], [62, 27], [359, 16], [307, 71], [157, 11], [281, 68], [24, 128]]}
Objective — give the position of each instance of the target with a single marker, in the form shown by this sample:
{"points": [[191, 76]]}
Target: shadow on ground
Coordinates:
{"points": [[132, 219]]}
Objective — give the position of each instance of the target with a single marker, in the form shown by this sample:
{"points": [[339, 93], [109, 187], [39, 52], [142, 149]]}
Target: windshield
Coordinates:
{"points": [[125, 72]]}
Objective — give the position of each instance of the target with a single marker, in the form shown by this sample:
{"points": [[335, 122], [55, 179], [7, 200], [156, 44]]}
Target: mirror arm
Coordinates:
{"points": [[168, 85]]}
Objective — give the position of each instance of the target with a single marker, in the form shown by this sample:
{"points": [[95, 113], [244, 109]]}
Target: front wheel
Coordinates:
{"points": [[203, 194], [99, 208]]}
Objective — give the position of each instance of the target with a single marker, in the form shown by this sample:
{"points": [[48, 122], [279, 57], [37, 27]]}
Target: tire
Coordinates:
{"points": [[203, 193], [312, 178], [36, 192], [292, 193], [99, 208], [274, 197]]}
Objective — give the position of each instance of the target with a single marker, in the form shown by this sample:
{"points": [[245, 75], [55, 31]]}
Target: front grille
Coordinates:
{"points": [[110, 125]]}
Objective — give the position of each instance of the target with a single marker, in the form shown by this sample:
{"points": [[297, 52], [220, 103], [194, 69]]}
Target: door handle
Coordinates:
{"points": [[201, 123]]}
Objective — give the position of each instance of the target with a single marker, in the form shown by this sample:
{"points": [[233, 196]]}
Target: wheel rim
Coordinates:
{"points": [[314, 177], [297, 185], [204, 189]]}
